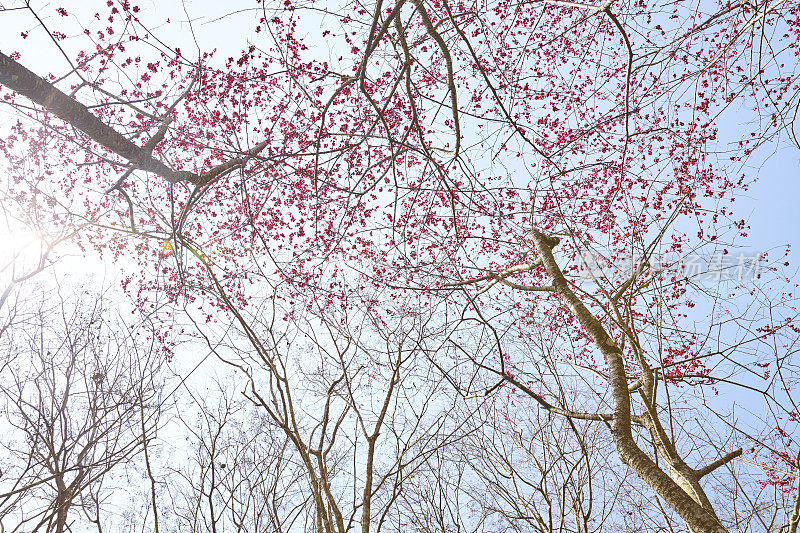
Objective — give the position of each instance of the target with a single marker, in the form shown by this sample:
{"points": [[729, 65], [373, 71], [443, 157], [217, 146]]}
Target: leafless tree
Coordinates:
{"points": [[80, 396]]}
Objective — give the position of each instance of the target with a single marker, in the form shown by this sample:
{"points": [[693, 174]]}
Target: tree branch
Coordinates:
{"points": [[710, 467], [20, 79]]}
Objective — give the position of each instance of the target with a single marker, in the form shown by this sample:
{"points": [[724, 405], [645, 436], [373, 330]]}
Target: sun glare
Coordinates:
{"points": [[19, 248]]}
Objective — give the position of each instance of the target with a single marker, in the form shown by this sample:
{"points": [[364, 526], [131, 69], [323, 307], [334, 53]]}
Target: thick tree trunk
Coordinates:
{"points": [[697, 518], [23, 81]]}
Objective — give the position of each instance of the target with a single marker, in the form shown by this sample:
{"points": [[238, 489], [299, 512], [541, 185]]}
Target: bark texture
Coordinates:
{"points": [[697, 518]]}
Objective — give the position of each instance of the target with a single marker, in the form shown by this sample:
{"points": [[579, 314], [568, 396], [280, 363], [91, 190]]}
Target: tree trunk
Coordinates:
{"points": [[20, 79]]}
